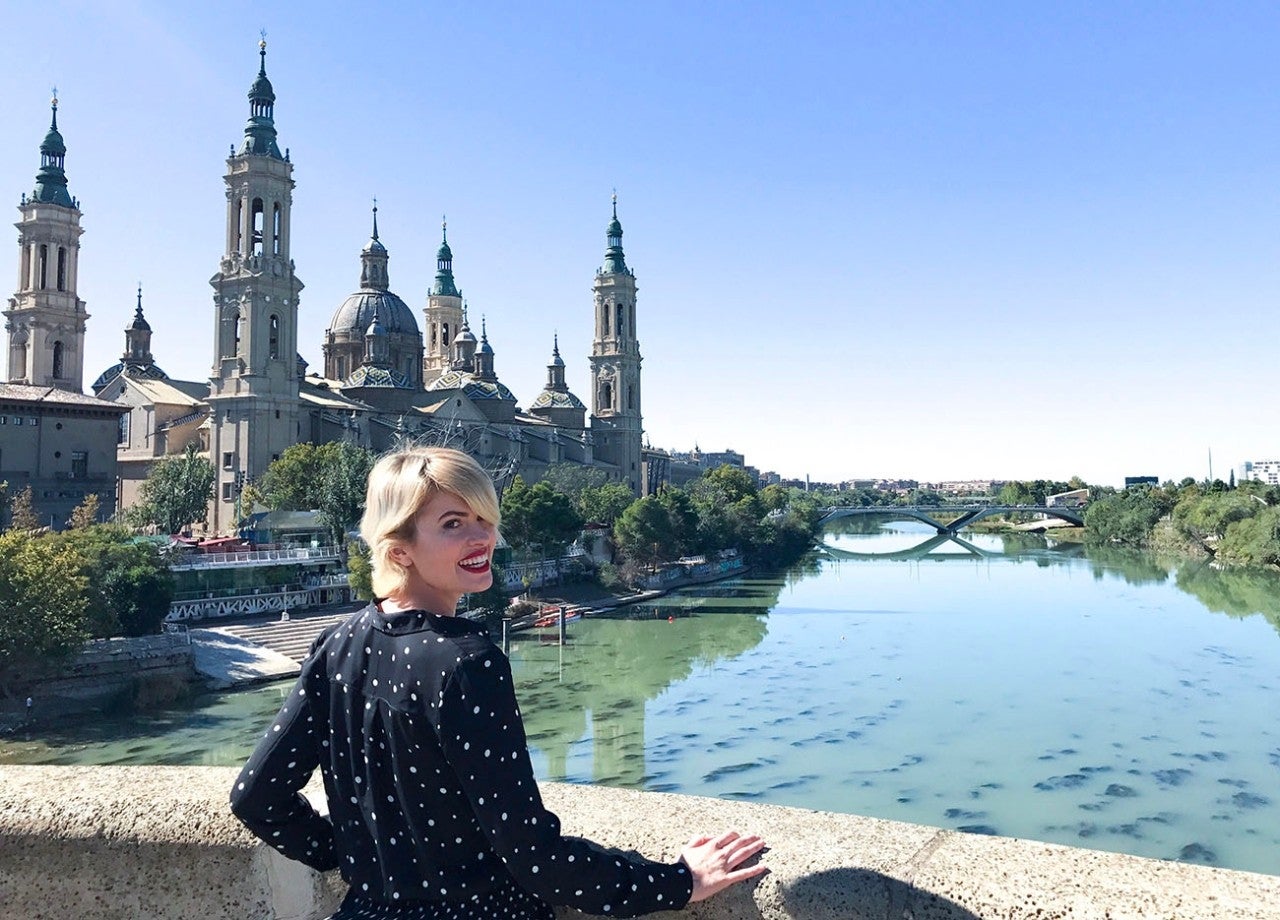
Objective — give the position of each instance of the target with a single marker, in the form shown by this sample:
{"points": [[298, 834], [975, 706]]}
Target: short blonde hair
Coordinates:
{"points": [[399, 485]]}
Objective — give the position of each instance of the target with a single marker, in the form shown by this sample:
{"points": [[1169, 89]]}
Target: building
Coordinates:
{"points": [[381, 383], [53, 438], [1267, 471]]}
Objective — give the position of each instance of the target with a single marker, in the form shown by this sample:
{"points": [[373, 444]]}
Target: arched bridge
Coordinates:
{"points": [[968, 514]]}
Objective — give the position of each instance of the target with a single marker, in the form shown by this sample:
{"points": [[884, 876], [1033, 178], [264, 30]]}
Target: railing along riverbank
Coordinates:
{"points": [[159, 843]]}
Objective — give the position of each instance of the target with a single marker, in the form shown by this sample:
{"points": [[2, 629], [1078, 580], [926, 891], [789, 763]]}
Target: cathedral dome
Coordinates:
{"points": [[553, 399], [355, 314]]}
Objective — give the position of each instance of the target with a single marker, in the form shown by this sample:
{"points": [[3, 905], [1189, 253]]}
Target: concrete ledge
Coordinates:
{"points": [[154, 843]]}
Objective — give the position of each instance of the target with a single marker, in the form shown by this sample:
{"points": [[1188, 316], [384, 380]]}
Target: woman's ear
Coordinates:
{"points": [[399, 554]]}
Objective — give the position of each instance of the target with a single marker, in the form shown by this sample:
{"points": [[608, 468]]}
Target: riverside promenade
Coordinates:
{"points": [[159, 843]]}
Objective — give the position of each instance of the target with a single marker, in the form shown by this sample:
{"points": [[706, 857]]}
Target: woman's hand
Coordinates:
{"points": [[714, 862]]}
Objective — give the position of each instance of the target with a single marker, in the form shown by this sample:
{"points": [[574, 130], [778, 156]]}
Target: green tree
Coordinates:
{"points": [[42, 605], [359, 571], [774, 497], [345, 480], [295, 481], [1126, 517], [129, 584], [22, 511], [572, 479], [176, 492], [1254, 540], [644, 533], [604, 504], [538, 518], [1015, 493], [684, 520], [85, 514]]}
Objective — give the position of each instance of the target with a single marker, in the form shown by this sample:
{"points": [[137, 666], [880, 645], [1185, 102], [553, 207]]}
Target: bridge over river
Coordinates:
{"points": [[966, 515]]}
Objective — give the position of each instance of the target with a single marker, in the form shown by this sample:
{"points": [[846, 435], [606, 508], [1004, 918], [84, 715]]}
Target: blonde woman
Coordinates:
{"points": [[411, 716]]}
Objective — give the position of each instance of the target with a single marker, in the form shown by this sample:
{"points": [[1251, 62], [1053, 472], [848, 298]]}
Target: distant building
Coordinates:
{"points": [[1075, 498], [1267, 471], [1130, 481]]}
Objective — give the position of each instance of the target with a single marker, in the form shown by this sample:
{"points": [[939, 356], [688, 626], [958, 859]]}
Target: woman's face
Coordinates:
{"points": [[449, 555]]}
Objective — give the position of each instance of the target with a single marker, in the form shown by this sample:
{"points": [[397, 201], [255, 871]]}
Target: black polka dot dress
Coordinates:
{"points": [[433, 808]]}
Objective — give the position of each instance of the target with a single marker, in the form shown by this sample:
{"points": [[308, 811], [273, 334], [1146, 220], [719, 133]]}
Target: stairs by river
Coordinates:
{"points": [[291, 638]]}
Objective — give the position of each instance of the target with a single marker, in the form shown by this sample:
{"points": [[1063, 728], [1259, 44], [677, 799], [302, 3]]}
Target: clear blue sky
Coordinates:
{"points": [[872, 239]]}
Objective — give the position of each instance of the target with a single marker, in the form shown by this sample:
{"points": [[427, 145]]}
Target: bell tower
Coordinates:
{"points": [[253, 393], [46, 320], [443, 314], [616, 423]]}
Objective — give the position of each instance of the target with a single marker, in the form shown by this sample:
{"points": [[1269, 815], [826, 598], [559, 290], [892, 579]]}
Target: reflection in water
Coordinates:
{"points": [[610, 669]]}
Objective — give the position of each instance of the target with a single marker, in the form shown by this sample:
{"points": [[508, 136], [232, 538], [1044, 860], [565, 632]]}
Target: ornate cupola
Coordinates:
{"points": [[375, 343], [373, 260], [260, 130], [464, 347], [137, 337], [555, 403], [444, 285], [484, 356], [51, 180], [614, 260]]}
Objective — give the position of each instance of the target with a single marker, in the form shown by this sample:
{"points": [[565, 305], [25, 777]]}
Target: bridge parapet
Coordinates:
{"points": [[103, 843], [966, 514]]}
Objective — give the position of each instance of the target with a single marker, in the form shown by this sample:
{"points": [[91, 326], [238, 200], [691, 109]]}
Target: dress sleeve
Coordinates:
{"points": [[267, 795], [483, 738]]}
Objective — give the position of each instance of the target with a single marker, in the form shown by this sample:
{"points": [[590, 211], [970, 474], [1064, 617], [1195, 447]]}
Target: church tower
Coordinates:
{"points": [[46, 319], [616, 423], [443, 314], [253, 393]]}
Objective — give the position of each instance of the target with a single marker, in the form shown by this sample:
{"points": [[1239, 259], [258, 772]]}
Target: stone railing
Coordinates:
{"points": [[158, 843]]}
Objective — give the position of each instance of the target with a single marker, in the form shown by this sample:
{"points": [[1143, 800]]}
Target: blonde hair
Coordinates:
{"points": [[399, 485]]}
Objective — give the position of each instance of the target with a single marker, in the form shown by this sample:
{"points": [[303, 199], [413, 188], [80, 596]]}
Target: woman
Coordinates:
{"points": [[411, 715]]}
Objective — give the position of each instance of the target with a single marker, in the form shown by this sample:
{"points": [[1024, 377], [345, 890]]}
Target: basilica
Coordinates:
{"points": [[386, 378]]}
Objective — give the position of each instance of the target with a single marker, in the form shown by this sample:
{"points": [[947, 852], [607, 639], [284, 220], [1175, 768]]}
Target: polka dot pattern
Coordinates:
{"points": [[434, 809]]}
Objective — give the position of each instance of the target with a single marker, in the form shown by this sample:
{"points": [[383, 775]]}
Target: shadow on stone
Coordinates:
{"points": [[855, 894]]}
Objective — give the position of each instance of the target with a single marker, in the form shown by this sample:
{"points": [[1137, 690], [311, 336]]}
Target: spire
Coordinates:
{"points": [[375, 342], [614, 261], [137, 337], [555, 370], [51, 180], [444, 285], [484, 355], [464, 346], [373, 259], [260, 130]]}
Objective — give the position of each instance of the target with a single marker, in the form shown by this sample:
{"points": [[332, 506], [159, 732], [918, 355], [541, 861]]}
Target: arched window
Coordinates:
{"points": [[273, 337], [622, 319], [43, 268], [631, 396], [57, 360], [606, 396], [237, 239], [444, 334], [276, 242], [62, 268], [342, 368], [26, 267], [257, 227], [604, 319], [239, 323]]}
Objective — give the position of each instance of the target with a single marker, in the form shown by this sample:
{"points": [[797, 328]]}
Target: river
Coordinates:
{"points": [[1007, 685]]}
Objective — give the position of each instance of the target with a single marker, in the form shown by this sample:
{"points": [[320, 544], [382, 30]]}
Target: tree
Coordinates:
{"points": [[129, 584], [604, 504], [85, 514], [359, 572], [538, 516], [683, 517], [42, 605], [644, 532], [176, 492], [330, 478], [573, 479], [1015, 493], [22, 510], [774, 497], [345, 482]]}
